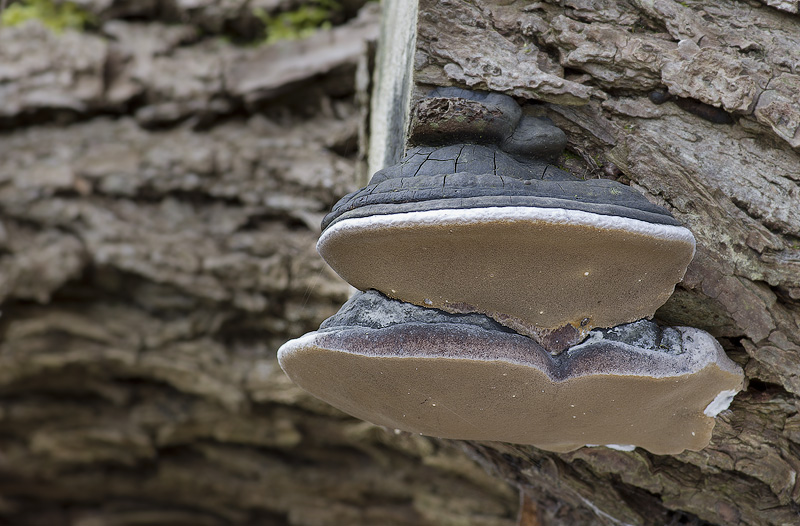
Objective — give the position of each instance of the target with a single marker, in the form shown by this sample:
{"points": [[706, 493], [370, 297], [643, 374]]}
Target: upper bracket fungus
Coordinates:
{"points": [[468, 377], [475, 219]]}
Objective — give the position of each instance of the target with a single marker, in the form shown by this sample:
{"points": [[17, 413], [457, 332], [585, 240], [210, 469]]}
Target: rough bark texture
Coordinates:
{"points": [[722, 155], [160, 196], [161, 191]]}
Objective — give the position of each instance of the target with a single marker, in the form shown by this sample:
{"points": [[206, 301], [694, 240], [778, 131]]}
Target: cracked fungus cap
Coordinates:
{"points": [[467, 377], [469, 228]]}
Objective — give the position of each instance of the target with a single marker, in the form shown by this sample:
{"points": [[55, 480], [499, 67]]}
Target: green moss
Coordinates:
{"points": [[57, 17], [300, 23]]}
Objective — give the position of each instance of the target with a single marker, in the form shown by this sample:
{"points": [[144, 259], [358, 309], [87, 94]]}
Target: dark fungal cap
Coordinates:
{"points": [[472, 176], [452, 123], [423, 161], [536, 137], [465, 377]]}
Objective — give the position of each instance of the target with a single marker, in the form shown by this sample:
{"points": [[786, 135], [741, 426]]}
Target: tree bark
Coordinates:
{"points": [[160, 195], [695, 106], [161, 191]]}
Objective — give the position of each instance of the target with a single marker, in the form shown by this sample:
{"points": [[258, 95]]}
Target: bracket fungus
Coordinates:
{"points": [[496, 278], [467, 377], [477, 220]]}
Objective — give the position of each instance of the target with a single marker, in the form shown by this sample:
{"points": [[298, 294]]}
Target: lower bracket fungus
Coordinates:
{"points": [[467, 377], [493, 228]]}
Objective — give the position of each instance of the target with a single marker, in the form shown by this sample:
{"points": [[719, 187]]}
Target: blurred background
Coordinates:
{"points": [[164, 167]]}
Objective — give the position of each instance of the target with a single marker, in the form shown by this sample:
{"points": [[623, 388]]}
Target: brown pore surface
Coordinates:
{"points": [[462, 398], [541, 275]]}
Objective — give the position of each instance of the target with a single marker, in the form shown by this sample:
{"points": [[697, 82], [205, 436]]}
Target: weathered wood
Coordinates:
{"points": [[720, 151]]}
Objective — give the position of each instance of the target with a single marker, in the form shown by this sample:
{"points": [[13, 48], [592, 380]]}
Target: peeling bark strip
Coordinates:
{"points": [[725, 163]]}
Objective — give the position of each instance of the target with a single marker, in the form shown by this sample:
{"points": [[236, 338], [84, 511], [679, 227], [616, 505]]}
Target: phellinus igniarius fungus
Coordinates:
{"points": [[465, 376], [489, 226], [502, 261]]}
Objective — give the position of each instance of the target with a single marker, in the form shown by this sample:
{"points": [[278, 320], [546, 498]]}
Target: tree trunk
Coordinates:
{"points": [[161, 191], [695, 105], [160, 195]]}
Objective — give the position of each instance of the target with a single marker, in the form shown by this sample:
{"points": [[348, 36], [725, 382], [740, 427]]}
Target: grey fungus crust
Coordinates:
{"points": [[466, 377]]}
